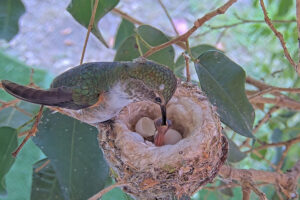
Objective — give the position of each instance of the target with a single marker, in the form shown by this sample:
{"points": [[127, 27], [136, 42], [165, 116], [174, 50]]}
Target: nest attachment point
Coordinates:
{"points": [[168, 171]]}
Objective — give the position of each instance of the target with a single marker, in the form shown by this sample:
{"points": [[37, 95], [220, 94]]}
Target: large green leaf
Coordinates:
{"points": [[81, 10], [8, 143], [129, 48], [12, 69], [223, 81], [18, 179], [10, 12], [44, 183], [196, 51], [73, 150], [125, 30]]}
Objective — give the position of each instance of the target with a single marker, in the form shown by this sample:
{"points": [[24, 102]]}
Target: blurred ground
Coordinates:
{"points": [[51, 39]]}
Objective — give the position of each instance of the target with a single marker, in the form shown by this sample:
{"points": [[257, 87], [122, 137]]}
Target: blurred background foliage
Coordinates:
{"points": [[241, 33]]}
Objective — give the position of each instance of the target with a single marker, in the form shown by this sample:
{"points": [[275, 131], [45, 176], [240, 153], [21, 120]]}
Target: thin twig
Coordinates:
{"points": [[278, 35], [246, 21], [23, 133], [32, 132], [261, 122], [298, 26], [89, 29], [281, 102], [274, 89], [278, 144], [284, 154], [221, 36], [287, 181], [187, 64], [199, 22], [126, 16], [258, 154], [105, 190], [8, 104], [22, 110], [266, 118], [42, 166], [169, 17], [135, 21], [26, 123], [31, 77], [260, 194]]}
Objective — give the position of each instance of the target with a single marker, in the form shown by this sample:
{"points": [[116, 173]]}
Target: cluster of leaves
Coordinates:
{"points": [[75, 158]]}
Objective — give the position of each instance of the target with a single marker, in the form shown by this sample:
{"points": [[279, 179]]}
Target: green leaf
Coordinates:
{"points": [[284, 7], [196, 51], [234, 154], [81, 10], [73, 150], [13, 70], [8, 143], [44, 183], [10, 12], [125, 30], [129, 48], [223, 81], [18, 179]]}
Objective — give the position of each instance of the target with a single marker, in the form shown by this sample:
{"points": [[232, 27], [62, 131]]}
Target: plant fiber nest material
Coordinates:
{"points": [[168, 171]]}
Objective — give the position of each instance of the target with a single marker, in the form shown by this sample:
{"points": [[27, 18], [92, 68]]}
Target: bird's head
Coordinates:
{"points": [[160, 82]]}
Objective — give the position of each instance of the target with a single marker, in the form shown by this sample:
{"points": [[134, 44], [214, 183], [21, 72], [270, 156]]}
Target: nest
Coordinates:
{"points": [[168, 171]]}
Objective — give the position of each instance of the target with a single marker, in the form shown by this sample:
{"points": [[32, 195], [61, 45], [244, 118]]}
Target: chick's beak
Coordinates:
{"points": [[163, 115]]}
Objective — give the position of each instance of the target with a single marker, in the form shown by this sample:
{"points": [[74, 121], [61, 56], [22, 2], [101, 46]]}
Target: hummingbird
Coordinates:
{"points": [[106, 87]]}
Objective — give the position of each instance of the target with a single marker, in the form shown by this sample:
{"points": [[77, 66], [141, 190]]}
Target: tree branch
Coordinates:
{"points": [[199, 22], [279, 36], [278, 144], [287, 182], [135, 21]]}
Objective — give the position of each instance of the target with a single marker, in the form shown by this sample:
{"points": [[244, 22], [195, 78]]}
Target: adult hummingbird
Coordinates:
{"points": [[103, 86]]}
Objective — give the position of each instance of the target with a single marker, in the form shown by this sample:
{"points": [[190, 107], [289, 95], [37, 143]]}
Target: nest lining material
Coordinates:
{"points": [[170, 170]]}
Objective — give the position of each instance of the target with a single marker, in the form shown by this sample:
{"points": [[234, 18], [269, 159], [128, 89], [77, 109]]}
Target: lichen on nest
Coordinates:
{"points": [[171, 170]]}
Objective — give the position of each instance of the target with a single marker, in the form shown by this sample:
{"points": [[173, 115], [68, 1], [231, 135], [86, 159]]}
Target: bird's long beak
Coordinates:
{"points": [[163, 115]]}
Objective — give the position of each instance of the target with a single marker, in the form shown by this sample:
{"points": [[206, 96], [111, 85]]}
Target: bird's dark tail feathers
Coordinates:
{"points": [[51, 97]]}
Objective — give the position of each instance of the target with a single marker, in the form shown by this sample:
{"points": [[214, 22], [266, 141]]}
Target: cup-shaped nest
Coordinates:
{"points": [[168, 171]]}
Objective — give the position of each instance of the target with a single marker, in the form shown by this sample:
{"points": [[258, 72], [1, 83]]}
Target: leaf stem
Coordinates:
{"points": [[138, 45]]}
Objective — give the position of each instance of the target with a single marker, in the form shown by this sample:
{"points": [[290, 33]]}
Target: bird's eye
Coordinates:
{"points": [[158, 99]]}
